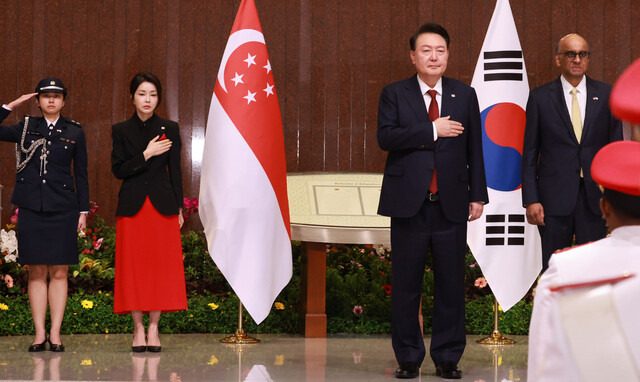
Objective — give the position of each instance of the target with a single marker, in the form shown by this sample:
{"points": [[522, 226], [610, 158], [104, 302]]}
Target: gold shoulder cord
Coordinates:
{"points": [[20, 165]]}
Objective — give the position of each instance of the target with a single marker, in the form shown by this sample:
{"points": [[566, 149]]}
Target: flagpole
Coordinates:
{"points": [[239, 337], [496, 338]]}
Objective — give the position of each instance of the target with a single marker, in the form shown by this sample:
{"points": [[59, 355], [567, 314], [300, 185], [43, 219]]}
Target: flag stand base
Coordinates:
{"points": [[239, 337], [496, 338]]}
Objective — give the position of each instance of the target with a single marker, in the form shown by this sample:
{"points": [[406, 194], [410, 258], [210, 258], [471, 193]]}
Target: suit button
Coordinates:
{"points": [[45, 172], [44, 181], [48, 152], [49, 143]]}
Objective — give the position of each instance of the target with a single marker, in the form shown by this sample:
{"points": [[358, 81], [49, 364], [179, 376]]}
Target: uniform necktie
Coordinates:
{"points": [[576, 118], [50, 128], [433, 115]]}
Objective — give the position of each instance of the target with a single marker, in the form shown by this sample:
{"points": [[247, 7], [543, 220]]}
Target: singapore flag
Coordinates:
{"points": [[243, 190], [506, 247]]}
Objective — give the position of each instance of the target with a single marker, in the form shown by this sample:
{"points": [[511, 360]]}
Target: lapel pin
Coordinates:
{"points": [[58, 131], [595, 98]]}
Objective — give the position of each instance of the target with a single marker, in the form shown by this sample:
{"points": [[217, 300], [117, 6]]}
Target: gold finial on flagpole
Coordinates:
{"points": [[496, 338], [239, 337]]}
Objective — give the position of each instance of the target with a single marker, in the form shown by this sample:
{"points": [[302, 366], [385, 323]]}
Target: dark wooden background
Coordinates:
{"points": [[330, 58]]}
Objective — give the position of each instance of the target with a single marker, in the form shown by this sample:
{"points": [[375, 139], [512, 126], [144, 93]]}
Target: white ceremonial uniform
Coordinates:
{"points": [[592, 332]]}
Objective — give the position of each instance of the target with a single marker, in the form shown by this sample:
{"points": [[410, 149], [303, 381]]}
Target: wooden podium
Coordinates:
{"points": [[336, 208]]}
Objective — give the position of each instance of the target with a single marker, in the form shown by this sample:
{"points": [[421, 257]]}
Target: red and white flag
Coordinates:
{"points": [[243, 187]]}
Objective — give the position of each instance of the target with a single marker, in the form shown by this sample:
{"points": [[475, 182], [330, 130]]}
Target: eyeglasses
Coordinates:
{"points": [[572, 55]]}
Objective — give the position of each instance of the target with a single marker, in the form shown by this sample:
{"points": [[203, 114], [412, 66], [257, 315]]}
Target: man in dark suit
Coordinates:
{"points": [[430, 211], [568, 121]]}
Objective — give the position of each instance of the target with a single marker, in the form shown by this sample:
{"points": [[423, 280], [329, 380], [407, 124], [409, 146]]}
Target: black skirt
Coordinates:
{"points": [[48, 238]]}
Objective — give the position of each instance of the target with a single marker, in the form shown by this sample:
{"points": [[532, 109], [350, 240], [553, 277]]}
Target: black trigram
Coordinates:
{"points": [[503, 65], [499, 231]]}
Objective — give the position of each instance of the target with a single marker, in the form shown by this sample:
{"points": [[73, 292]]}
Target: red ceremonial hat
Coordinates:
{"points": [[625, 95], [617, 167]]}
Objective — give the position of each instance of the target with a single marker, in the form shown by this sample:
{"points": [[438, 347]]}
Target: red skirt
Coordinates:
{"points": [[149, 269]]}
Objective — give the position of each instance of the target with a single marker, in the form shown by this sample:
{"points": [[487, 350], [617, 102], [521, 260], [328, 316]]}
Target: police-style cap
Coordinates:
{"points": [[617, 167], [51, 85], [625, 95]]}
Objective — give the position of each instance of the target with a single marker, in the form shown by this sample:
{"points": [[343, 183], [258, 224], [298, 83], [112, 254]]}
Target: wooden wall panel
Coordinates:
{"points": [[330, 59]]}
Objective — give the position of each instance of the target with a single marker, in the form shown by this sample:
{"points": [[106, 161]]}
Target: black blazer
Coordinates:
{"points": [[551, 155], [50, 187], [404, 130], [159, 178]]}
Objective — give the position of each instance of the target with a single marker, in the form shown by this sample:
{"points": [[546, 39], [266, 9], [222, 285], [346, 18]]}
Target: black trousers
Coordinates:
{"points": [[558, 231], [411, 239]]}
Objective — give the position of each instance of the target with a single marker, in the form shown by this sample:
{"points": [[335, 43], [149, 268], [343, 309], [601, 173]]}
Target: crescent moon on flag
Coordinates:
{"points": [[236, 40]]}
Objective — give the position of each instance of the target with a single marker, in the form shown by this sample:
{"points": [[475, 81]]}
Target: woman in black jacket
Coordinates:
{"points": [[149, 269]]}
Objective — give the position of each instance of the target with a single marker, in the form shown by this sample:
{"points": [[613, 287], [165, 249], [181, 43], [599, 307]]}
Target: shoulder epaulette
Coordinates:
{"points": [[613, 280], [574, 247], [73, 122]]}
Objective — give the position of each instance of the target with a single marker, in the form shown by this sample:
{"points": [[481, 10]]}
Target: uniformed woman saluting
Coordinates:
{"points": [[52, 202]]}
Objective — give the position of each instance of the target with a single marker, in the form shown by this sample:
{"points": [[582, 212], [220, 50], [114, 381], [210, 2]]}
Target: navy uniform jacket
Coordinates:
{"points": [[404, 130], [55, 189], [552, 157], [159, 178]]}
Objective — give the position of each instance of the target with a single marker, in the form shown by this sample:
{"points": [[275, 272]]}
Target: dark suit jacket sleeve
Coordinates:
{"points": [[121, 166], [9, 133], [395, 134], [477, 178], [175, 171], [530, 151], [80, 172]]}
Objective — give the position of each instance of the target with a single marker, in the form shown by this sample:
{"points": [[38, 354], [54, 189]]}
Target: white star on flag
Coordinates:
{"points": [[268, 89], [243, 187], [251, 60], [250, 97], [238, 79], [268, 66]]}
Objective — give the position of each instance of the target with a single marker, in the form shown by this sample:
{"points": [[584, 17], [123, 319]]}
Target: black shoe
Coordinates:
{"points": [[408, 370], [154, 349], [448, 370], [39, 347], [58, 348], [138, 349]]}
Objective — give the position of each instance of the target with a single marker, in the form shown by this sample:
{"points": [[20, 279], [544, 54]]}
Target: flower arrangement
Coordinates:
{"points": [[358, 284], [190, 207], [9, 255]]}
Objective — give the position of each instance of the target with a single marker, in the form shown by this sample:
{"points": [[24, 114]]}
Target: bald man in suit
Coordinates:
{"points": [[562, 135]]}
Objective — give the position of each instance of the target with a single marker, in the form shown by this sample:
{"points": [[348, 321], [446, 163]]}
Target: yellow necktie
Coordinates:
{"points": [[576, 118]]}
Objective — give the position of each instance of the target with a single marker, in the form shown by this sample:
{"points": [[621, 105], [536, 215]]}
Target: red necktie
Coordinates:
{"points": [[433, 115]]}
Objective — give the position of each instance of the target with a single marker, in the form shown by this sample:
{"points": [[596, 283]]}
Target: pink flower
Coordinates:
{"points": [[97, 244], [473, 265], [8, 280], [480, 282], [357, 310]]}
